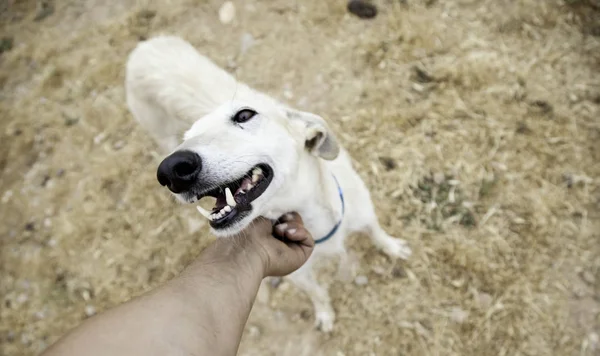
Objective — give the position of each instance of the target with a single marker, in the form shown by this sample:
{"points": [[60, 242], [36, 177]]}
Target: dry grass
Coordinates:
{"points": [[475, 123]]}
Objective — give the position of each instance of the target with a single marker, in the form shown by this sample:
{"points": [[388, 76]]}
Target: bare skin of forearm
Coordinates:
{"points": [[179, 318], [202, 311]]}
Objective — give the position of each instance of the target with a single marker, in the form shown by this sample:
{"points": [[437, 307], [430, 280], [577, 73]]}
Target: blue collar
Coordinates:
{"points": [[333, 231]]}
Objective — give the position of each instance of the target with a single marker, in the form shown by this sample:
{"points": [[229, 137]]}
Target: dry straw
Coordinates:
{"points": [[476, 124]]}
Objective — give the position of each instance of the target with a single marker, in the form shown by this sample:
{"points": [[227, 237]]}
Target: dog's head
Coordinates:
{"points": [[244, 156]]}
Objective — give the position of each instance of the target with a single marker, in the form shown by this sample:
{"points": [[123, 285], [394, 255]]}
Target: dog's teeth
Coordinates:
{"points": [[204, 213], [250, 186], [227, 208], [229, 197], [255, 178], [256, 171]]}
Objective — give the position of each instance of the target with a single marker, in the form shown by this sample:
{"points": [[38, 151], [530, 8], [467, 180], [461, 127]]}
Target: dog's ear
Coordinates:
{"points": [[319, 139]]}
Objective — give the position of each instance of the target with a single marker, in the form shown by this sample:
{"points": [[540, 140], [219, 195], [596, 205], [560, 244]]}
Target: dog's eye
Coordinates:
{"points": [[243, 115]]}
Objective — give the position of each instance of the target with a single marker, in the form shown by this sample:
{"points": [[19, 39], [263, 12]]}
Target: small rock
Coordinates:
{"points": [[47, 223], [522, 128], [253, 331], [421, 76], [227, 12], [457, 283], [458, 315], [361, 8], [399, 272], [361, 280], [30, 226], [588, 277], [306, 314], [439, 178], [90, 310], [542, 106], [247, 41], [288, 94], [60, 277], [39, 315], [118, 145], [418, 87], [378, 270], [99, 137], [275, 282], [6, 196], [388, 163], [60, 172], [484, 300], [231, 64], [22, 298], [573, 97]]}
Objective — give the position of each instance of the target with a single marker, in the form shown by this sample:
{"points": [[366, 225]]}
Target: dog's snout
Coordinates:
{"points": [[179, 171]]}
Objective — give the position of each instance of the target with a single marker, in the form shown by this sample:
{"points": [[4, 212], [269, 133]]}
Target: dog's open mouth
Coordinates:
{"points": [[234, 198]]}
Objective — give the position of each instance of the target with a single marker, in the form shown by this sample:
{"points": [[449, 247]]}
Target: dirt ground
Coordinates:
{"points": [[476, 125]]}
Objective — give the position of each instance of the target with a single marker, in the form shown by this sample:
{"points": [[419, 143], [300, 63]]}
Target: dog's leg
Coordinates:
{"points": [[347, 266], [306, 281], [391, 246]]}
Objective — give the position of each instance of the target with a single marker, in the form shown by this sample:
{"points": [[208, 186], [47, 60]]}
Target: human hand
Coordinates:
{"points": [[283, 247]]}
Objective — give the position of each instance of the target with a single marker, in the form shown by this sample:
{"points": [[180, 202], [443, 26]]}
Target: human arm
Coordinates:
{"points": [[202, 311]]}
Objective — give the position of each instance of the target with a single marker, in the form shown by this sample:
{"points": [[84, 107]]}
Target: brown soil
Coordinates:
{"points": [[476, 125]]}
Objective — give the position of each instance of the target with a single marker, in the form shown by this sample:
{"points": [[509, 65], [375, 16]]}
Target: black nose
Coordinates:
{"points": [[179, 170]]}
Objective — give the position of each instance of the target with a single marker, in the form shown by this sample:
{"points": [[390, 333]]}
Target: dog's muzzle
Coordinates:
{"points": [[179, 171]]}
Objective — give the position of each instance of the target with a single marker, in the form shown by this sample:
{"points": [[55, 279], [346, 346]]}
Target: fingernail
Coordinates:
{"points": [[292, 231], [288, 216], [281, 227]]}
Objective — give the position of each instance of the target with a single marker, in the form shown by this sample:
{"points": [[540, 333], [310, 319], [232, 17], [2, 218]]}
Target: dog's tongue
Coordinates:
{"points": [[221, 202], [245, 186]]}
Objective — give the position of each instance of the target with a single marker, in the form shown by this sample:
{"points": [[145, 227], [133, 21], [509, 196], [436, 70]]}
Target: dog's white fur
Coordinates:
{"points": [[172, 89]]}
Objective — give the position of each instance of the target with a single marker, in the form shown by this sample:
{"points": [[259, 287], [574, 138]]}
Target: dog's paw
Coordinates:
{"points": [[324, 321], [397, 248]]}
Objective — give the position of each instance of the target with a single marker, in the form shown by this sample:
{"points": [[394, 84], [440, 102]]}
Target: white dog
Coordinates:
{"points": [[256, 156]]}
